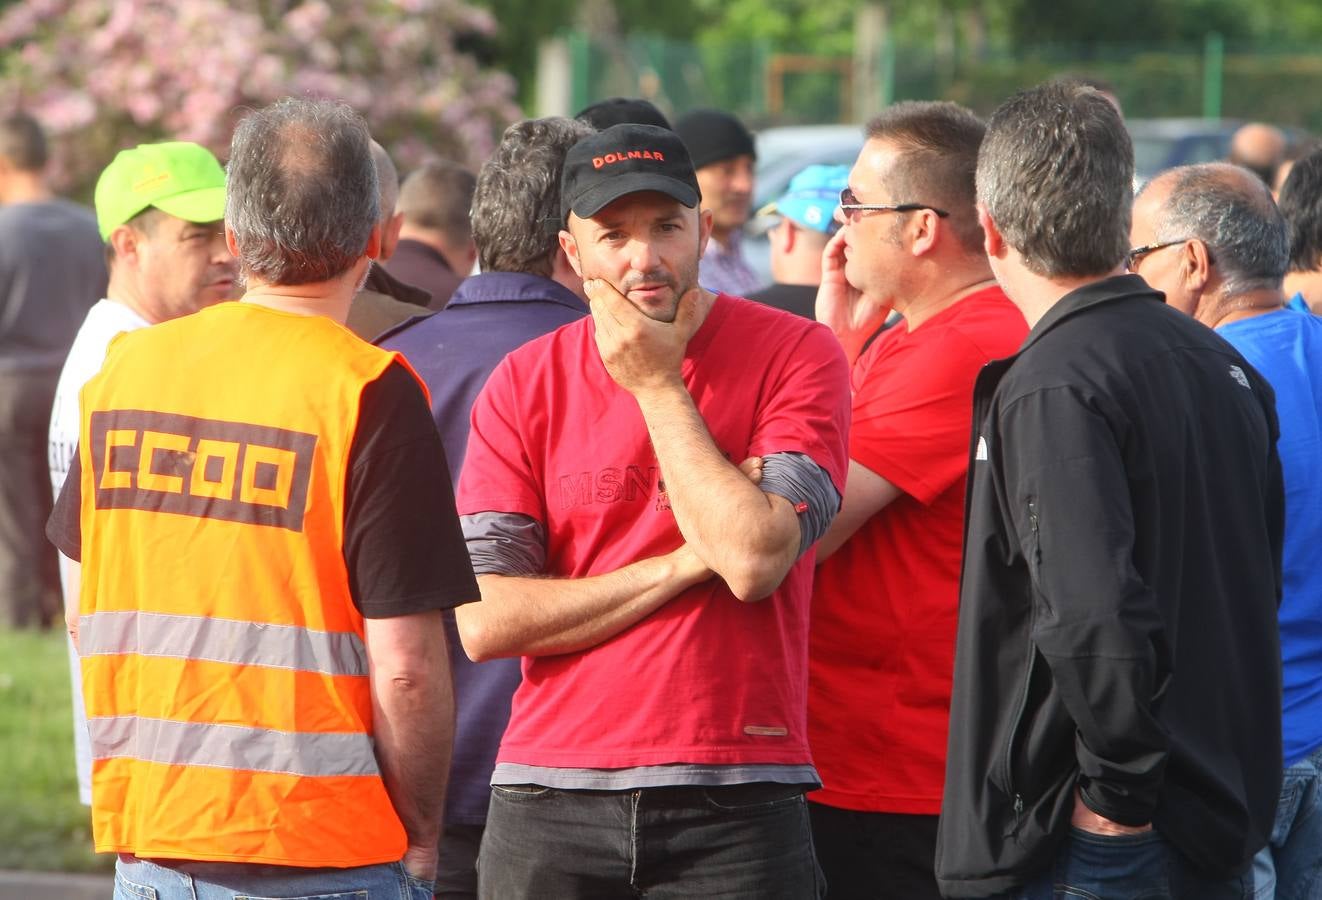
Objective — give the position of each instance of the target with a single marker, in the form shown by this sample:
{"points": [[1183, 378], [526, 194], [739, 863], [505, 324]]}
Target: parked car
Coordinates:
{"points": [[1161, 144], [784, 152]]}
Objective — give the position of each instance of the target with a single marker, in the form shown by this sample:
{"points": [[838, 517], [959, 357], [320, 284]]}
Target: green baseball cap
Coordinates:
{"points": [[177, 177]]}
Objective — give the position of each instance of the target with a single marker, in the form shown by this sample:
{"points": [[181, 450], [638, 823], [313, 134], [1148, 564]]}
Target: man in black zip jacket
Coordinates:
{"points": [[1115, 725]]}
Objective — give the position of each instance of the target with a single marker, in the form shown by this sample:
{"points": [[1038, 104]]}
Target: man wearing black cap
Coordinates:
{"points": [[657, 592], [723, 154], [622, 111]]}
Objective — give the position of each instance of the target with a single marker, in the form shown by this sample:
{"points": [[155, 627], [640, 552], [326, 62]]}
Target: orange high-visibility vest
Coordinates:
{"points": [[224, 667]]}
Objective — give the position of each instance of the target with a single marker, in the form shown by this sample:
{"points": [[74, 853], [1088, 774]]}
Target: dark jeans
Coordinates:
{"points": [[29, 576], [1129, 867], [739, 841], [875, 856], [456, 870]]}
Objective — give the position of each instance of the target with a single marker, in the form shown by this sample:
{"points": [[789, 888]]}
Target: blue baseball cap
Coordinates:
{"points": [[811, 198]]}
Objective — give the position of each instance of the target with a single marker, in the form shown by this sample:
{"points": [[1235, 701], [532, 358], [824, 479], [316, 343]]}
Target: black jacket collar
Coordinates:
{"points": [[1107, 290]]}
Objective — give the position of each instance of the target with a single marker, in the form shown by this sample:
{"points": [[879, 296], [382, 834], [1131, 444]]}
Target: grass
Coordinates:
{"points": [[43, 826]]}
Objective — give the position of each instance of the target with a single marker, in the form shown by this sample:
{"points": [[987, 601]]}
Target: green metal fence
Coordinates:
{"points": [[1211, 78]]}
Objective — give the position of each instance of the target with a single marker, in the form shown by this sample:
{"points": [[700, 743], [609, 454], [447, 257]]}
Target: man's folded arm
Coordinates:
{"points": [[523, 613]]}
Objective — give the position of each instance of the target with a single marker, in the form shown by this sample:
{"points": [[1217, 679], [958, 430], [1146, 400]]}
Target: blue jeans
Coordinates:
{"points": [[1290, 866], [746, 841], [1126, 867], [138, 879]]}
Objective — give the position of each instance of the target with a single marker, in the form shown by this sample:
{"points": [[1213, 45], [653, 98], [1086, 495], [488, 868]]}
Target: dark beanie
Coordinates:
{"points": [[623, 111], [712, 136]]}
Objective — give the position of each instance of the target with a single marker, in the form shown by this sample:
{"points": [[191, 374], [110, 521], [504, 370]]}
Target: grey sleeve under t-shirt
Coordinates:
{"points": [[806, 485], [504, 543], [515, 544]]}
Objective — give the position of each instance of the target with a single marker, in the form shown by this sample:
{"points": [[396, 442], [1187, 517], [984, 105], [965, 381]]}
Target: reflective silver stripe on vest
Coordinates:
{"points": [[222, 640], [231, 747]]}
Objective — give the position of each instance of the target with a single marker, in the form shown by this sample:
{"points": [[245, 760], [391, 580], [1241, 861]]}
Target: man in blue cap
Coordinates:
{"points": [[807, 221]]}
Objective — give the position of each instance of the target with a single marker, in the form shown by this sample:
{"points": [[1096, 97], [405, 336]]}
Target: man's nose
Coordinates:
{"points": [[641, 256]]}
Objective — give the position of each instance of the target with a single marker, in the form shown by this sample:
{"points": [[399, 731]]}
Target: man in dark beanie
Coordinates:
{"points": [[723, 154], [622, 111]]}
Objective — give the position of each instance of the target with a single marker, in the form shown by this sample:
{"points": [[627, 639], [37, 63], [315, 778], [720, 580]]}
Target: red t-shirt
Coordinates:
{"points": [[884, 604], [704, 679]]}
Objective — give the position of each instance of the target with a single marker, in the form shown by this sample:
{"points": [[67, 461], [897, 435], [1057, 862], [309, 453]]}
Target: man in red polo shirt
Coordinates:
{"points": [[887, 584]]}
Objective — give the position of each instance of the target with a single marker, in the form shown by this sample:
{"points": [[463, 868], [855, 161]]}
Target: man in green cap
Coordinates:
{"points": [[160, 209]]}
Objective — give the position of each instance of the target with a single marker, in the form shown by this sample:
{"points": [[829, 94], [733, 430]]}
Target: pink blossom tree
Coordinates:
{"points": [[108, 74]]}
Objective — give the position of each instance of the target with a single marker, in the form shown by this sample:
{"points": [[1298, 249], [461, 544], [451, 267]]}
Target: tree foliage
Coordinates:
{"points": [[522, 25], [106, 74]]}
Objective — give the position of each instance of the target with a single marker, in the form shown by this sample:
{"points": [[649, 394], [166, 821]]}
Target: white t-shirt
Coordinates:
{"points": [[104, 320]]}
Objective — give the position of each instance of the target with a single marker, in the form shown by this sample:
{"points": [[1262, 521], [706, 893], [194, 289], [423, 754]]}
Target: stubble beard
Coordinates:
{"points": [[679, 286]]}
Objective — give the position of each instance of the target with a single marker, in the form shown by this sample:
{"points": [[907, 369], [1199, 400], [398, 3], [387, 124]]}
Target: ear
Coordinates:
{"points": [[374, 242], [125, 241], [704, 230], [390, 235], [992, 242], [1195, 266], [926, 226], [569, 246], [789, 236], [230, 241]]}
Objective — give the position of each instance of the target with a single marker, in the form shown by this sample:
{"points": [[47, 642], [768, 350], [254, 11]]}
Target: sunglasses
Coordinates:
{"points": [[1137, 253], [850, 206]]}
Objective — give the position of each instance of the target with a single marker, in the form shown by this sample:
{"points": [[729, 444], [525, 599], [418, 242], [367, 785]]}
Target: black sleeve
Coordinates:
{"points": [[64, 528], [403, 546]]}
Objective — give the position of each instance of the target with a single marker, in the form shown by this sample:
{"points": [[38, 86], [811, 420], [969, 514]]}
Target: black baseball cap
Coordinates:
{"points": [[625, 159], [622, 110]]}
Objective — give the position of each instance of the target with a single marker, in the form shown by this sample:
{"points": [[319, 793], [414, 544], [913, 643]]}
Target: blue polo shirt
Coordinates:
{"points": [[454, 351], [1286, 348]]}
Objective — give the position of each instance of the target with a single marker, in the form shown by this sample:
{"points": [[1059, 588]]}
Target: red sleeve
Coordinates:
{"points": [[498, 474], [912, 412], [807, 407]]}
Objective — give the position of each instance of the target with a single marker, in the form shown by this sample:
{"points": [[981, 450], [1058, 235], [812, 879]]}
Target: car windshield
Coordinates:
{"points": [[1150, 154]]}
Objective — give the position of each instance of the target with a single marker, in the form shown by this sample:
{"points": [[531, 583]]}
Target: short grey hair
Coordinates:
{"points": [[516, 205], [1056, 175], [1230, 210], [387, 178], [301, 194]]}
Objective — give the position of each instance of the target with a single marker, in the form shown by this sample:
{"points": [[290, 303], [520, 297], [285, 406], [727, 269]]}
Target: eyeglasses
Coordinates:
{"points": [[851, 207], [1137, 253]]}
